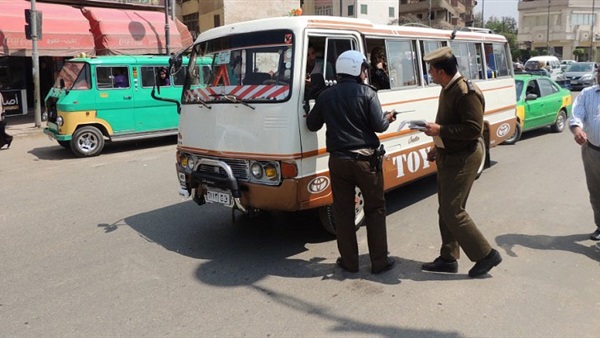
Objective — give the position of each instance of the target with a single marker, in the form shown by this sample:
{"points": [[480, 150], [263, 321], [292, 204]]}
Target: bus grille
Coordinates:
{"points": [[239, 168]]}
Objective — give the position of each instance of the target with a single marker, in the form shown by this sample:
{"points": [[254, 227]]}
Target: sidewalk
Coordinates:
{"points": [[23, 125]]}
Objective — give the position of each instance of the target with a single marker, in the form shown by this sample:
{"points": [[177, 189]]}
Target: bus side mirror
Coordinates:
{"points": [[175, 62]]}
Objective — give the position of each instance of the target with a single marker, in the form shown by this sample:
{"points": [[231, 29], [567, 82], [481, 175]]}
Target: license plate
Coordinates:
{"points": [[219, 196]]}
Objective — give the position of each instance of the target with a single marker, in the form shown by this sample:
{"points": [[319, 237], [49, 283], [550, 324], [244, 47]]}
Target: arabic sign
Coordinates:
{"points": [[101, 3], [14, 102]]}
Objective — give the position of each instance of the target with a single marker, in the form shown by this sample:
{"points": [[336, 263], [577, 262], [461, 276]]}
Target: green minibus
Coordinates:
{"points": [[114, 98]]}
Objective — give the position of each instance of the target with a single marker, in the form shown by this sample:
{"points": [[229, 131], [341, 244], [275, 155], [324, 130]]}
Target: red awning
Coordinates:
{"points": [[131, 32], [65, 31]]}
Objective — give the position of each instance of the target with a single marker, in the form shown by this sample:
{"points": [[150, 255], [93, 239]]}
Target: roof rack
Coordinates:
{"points": [[477, 29]]}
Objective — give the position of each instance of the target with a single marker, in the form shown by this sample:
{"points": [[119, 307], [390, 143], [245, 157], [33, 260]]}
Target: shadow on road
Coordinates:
{"points": [[55, 152], [569, 243]]}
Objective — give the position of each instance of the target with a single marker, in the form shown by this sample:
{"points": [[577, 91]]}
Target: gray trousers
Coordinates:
{"points": [[455, 177], [591, 165]]}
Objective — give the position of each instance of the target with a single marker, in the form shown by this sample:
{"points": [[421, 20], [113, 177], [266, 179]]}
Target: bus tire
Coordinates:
{"points": [[561, 121], [515, 136], [484, 158], [326, 214], [87, 141]]}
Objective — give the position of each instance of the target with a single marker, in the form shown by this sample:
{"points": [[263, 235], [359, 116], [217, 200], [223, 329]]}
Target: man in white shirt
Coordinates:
{"points": [[585, 125]]}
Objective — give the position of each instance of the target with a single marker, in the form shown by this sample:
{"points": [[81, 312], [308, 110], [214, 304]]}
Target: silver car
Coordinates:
{"points": [[582, 74]]}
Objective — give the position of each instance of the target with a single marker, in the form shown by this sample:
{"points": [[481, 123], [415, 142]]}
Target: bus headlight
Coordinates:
{"points": [[190, 162], [60, 121], [256, 170], [265, 172]]}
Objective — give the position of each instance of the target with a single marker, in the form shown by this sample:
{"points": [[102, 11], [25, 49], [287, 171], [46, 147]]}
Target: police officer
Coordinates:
{"points": [[353, 115], [458, 153]]}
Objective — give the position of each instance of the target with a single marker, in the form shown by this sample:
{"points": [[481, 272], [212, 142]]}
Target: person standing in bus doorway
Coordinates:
{"points": [[585, 126], [458, 154], [352, 112], [5, 139]]}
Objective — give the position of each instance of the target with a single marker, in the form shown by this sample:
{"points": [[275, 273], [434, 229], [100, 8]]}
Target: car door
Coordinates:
{"points": [[534, 107], [551, 99]]}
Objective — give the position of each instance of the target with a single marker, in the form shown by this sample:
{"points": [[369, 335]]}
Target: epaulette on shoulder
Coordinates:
{"points": [[470, 85]]}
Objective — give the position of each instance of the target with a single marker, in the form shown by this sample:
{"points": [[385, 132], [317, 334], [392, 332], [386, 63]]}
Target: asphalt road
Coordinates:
{"points": [[104, 246]]}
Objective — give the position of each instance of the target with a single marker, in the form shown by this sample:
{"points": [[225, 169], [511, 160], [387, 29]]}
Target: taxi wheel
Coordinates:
{"points": [[515, 136], [87, 141], [561, 121], [326, 213]]}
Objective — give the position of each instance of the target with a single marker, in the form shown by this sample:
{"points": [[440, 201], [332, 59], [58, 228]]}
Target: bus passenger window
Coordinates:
{"points": [[379, 68], [402, 64], [120, 77]]}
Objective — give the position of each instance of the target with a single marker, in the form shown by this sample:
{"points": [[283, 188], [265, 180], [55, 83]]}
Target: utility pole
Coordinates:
{"points": [[482, 13], [592, 33], [548, 31], [167, 34], [36, 67]]}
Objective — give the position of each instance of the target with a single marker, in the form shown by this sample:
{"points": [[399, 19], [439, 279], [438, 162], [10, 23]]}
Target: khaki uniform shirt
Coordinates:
{"points": [[460, 115]]}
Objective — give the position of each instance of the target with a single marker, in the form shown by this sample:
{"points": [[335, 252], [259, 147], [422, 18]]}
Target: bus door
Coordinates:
{"points": [[151, 114], [326, 49], [115, 97]]}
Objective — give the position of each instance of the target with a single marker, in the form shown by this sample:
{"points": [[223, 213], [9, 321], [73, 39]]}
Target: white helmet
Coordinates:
{"points": [[350, 62]]}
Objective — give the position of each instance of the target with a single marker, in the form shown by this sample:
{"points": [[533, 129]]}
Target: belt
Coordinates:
{"points": [[596, 148], [350, 155]]}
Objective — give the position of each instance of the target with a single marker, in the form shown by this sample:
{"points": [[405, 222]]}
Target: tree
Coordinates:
{"points": [[506, 26], [578, 52]]}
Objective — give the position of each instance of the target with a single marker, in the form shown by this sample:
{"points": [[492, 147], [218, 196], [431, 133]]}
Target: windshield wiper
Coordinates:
{"points": [[234, 99], [202, 102]]}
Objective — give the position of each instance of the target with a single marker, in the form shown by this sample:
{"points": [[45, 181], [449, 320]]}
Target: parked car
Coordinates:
{"points": [[541, 102], [548, 62], [565, 63], [582, 74]]}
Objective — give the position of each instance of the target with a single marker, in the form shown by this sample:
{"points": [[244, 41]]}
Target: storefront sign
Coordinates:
{"points": [[14, 102]]}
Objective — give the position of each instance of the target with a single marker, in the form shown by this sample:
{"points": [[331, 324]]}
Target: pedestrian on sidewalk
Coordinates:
{"points": [[585, 126], [5, 139], [458, 153]]}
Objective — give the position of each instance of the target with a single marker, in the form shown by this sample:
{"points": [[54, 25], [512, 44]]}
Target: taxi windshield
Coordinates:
{"points": [[252, 67], [75, 76]]}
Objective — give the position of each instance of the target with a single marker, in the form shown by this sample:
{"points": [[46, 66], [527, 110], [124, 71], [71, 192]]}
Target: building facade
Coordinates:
{"points": [[559, 27]]}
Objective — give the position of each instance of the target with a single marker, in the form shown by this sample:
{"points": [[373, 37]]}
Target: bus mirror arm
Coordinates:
{"points": [[158, 98]]}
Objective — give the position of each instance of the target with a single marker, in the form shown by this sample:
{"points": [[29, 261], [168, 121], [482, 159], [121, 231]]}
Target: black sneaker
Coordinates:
{"points": [[484, 266], [596, 235], [441, 265]]}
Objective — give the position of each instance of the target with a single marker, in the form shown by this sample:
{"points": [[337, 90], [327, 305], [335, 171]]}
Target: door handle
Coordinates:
{"points": [[127, 97]]}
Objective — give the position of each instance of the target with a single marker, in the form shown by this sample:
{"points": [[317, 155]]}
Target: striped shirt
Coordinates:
{"points": [[586, 113]]}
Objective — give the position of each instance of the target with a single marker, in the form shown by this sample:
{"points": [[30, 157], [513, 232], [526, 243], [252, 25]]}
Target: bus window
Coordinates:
{"points": [[426, 48], [335, 47], [179, 77], [501, 61], [466, 56], [112, 77], [403, 64]]}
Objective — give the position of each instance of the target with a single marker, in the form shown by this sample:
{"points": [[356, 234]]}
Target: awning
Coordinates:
{"points": [[65, 31], [131, 32]]}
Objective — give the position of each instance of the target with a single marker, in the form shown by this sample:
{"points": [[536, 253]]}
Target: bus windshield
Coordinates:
{"points": [[252, 67], [75, 76]]}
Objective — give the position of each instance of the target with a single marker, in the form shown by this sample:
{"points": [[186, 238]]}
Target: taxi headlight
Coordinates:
{"points": [[60, 121], [256, 170]]}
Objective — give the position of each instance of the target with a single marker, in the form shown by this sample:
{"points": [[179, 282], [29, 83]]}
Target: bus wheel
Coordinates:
{"points": [[515, 136], [561, 121], [483, 158], [326, 213], [65, 144], [87, 141]]}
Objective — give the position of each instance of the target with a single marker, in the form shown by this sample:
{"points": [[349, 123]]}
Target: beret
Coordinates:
{"points": [[438, 55]]}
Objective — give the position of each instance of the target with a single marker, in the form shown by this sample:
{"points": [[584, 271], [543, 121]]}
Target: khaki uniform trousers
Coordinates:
{"points": [[346, 174], [455, 177]]}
